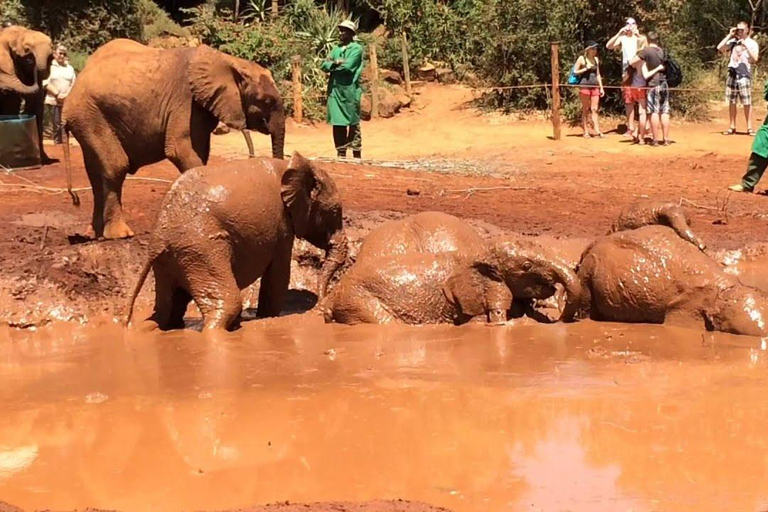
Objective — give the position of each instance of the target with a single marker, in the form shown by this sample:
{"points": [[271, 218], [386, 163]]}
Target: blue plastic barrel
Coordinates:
{"points": [[19, 145]]}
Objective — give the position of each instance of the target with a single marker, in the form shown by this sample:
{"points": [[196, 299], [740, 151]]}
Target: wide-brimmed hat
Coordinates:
{"points": [[349, 25], [590, 44]]}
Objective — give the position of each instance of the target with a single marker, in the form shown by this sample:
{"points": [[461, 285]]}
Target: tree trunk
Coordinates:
{"points": [[236, 13]]}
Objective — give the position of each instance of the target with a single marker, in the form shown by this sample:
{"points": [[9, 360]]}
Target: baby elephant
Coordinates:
{"points": [[448, 287], [426, 232], [646, 213], [651, 275], [221, 227]]}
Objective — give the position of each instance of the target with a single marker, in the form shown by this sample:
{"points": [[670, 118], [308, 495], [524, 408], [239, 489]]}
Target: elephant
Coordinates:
{"points": [[647, 213], [426, 232], [446, 287], [651, 275], [133, 106], [221, 227], [25, 61]]}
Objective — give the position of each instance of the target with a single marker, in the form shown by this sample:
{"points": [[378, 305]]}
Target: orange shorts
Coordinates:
{"points": [[590, 90], [633, 94]]}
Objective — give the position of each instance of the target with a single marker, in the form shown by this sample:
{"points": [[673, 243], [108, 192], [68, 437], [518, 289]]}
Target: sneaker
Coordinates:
{"points": [[740, 188]]}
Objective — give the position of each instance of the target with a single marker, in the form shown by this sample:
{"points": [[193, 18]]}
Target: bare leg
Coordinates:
{"points": [[748, 116], [665, 122], [595, 106], [584, 113], [732, 115], [643, 119], [630, 110], [655, 126]]}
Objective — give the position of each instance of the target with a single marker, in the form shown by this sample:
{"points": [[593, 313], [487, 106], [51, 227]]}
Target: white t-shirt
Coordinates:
{"points": [[62, 78], [740, 59], [628, 49]]}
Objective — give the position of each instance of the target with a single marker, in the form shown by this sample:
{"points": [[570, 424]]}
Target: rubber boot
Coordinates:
{"points": [[357, 154]]}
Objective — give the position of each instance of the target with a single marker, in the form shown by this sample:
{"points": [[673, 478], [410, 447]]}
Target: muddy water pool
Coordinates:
{"points": [[580, 417]]}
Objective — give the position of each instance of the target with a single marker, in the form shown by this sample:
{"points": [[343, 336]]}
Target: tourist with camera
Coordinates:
{"points": [[630, 41], [744, 52]]}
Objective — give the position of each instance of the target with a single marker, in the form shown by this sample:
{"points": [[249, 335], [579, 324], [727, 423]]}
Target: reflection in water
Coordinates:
{"points": [[580, 417]]}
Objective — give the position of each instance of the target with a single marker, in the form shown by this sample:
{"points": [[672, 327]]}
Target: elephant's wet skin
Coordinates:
{"points": [[222, 227], [650, 213], [652, 275], [133, 106], [572, 414]]}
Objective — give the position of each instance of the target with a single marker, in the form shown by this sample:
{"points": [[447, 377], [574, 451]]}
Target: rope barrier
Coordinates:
{"points": [[549, 86]]}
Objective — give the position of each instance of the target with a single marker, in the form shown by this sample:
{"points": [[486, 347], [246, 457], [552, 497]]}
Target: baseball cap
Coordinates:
{"points": [[349, 25]]}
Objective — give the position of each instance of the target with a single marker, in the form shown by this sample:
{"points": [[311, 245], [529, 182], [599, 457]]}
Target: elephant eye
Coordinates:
{"points": [[527, 266]]}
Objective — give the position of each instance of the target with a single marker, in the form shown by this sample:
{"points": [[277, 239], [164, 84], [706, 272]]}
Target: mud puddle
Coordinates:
{"points": [[580, 417]]}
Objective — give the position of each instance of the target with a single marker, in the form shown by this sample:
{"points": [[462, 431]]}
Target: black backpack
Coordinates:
{"points": [[673, 71]]}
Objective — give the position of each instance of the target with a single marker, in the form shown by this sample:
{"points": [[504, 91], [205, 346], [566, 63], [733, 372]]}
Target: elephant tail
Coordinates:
{"points": [[137, 288], [68, 166]]}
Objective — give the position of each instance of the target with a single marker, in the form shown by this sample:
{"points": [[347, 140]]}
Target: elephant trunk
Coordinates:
{"points": [[570, 281], [277, 132], [12, 83], [336, 255]]}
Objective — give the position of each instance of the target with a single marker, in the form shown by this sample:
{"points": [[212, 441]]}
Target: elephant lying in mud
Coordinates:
{"points": [[649, 213], [447, 287], [651, 275], [221, 227], [427, 232], [133, 106]]}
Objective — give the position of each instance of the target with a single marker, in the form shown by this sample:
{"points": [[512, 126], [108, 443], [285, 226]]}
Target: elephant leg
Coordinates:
{"points": [[35, 105], [107, 168], [214, 288], [274, 284], [189, 151], [114, 221], [359, 308], [686, 317], [171, 303]]}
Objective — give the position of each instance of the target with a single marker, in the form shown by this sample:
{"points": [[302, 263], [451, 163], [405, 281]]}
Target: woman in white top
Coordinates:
{"points": [[57, 87]]}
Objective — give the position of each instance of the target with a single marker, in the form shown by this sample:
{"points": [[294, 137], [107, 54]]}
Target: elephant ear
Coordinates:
{"points": [[298, 188], [466, 290], [214, 79]]}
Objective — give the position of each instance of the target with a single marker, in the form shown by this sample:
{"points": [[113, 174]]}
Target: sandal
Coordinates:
{"points": [[587, 135], [666, 142], [730, 131], [600, 135], [751, 132]]}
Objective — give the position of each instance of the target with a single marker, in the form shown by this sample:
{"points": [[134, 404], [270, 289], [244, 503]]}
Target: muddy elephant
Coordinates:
{"points": [[648, 213], [426, 232], [133, 106], [651, 275], [447, 287], [25, 61], [221, 227]]}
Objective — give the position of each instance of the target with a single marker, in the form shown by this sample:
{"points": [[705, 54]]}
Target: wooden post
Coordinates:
{"points": [[556, 91], [275, 8], [237, 10], [374, 81], [406, 69], [298, 106]]}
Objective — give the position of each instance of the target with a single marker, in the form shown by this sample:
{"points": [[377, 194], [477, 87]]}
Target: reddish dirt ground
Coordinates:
{"points": [[336, 506]]}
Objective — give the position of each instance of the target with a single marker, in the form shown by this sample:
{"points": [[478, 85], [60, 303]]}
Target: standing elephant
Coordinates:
{"points": [[447, 287], [651, 275], [133, 106], [222, 227], [647, 213], [427, 232], [25, 61]]}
